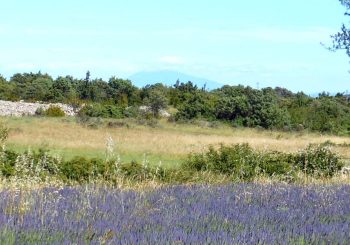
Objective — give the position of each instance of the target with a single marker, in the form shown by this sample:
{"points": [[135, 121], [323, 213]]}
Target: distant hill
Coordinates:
{"points": [[169, 78]]}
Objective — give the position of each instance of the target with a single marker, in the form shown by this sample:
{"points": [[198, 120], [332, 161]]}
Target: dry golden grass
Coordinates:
{"points": [[169, 142]]}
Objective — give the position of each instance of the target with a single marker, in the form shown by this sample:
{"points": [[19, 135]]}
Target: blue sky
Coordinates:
{"points": [[273, 42]]}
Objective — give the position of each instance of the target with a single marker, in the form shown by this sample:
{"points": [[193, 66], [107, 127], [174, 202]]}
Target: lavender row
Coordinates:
{"points": [[230, 214]]}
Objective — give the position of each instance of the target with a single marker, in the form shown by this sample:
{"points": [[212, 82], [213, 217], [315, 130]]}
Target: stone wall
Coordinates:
{"points": [[8, 108]]}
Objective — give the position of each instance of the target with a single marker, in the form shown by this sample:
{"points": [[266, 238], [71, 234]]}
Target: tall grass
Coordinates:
{"points": [[167, 142]]}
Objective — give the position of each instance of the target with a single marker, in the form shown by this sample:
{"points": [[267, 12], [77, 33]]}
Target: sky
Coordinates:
{"points": [[271, 42]]}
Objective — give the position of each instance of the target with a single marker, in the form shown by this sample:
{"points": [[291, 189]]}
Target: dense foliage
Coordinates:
{"points": [[240, 106], [230, 214], [243, 163], [236, 163]]}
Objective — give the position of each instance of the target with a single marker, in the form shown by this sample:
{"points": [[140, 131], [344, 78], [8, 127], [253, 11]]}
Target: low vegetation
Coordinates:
{"points": [[52, 111], [238, 162], [244, 163]]}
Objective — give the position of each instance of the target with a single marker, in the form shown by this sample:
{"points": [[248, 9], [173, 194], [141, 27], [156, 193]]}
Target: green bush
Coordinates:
{"points": [[132, 170], [79, 169], [103, 169], [28, 164], [243, 163], [52, 111], [7, 162], [82, 169], [103, 111], [277, 163], [319, 160], [239, 161]]}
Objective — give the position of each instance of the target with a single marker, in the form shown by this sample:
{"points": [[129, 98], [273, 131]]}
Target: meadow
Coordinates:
{"points": [[165, 141]]}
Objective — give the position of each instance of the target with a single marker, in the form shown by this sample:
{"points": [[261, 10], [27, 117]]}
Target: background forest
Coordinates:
{"points": [[269, 108]]}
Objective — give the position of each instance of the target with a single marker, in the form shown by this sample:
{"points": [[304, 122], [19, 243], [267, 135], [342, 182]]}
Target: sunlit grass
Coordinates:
{"points": [[169, 142]]}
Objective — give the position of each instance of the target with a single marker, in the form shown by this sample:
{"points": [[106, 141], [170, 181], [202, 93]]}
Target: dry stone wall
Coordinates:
{"points": [[8, 108]]}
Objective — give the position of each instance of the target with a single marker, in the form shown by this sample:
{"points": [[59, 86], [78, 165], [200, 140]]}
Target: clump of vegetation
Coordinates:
{"points": [[52, 111], [239, 161], [28, 165], [102, 111], [319, 160], [82, 169], [277, 164], [244, 163]]}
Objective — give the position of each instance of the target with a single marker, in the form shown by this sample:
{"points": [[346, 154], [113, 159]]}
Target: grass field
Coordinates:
{"points": [[167, 142]]}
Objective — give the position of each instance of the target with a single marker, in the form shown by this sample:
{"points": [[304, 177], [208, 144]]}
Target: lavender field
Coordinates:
{"points": [[230, 214]]}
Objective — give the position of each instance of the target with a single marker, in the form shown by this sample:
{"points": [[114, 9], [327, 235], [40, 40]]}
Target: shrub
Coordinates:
{"points": [[7, 162], [82, 169], [36, 164], [55, 111], [239, 160], [52, 111], [132, 169], [141, 172], [319, 160], [78, 169], [243, 163], [277, 163], [28, 164], [104, 111]]}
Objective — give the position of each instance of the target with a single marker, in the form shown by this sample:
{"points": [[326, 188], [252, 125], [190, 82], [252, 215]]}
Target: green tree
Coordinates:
{"points": [[157, 102], [99, 91], [23, 85], [85, 90], [182, 92], [62, 89], [341, 40], [326, 114], [198, 104], [39, 89], [123, 92], [6, 90]]}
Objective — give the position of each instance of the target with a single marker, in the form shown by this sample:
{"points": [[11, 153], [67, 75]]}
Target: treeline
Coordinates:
{"points": [[269, 108]]}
